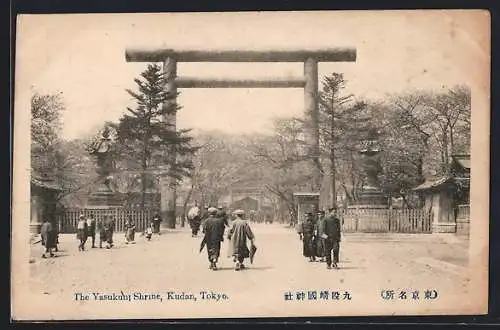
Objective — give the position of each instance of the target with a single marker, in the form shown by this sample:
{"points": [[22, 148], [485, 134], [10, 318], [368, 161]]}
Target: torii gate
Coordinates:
{"points": [[309, 82]]}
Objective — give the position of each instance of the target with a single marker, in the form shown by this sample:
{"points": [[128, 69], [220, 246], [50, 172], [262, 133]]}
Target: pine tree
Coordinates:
{"points": [[341, 123], [144, 134]]}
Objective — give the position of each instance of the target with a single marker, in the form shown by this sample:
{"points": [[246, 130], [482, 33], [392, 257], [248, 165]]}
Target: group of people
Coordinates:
{"points": [[321, 235], [196, 217], [89, 227], [238, 234]]}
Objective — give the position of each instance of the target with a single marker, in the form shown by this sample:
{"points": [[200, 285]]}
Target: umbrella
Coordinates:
{"points": [[202, 245], [253, 249]]}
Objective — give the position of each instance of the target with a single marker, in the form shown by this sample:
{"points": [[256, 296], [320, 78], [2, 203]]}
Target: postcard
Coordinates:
{"points": [[252, 164]]}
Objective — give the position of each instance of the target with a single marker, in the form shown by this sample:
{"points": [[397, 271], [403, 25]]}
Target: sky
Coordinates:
{"points": [[83, 57]]}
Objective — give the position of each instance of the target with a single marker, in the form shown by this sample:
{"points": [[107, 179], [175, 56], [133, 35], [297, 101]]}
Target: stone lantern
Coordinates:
{"points": [[371, 194]]}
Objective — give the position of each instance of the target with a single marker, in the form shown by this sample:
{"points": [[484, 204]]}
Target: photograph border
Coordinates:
{"points": [[494, 227]]}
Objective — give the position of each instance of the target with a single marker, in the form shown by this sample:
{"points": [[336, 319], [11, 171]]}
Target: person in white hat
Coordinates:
{"points": [[213, 230], [238, 234], [81, 232]]}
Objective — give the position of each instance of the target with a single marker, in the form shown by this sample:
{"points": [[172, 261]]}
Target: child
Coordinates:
{"points": [[81, 232], [149, 231], [130, 233]]}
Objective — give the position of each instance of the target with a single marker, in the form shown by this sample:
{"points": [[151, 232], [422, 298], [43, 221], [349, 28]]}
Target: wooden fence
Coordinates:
{"points": [[68, 218], [353, 220], [386, 220]]}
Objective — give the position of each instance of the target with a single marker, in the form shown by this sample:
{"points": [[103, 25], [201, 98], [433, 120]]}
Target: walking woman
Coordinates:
{"points": [[130, 231], [306, 235]]}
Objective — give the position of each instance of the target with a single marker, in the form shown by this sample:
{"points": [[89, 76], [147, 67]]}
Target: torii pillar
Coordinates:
{"points": [[309, 82], [168, 191]]}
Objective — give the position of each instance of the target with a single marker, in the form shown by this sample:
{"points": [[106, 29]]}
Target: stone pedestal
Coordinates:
{"points": [[372, 197], [103, 197], [35, 228]]}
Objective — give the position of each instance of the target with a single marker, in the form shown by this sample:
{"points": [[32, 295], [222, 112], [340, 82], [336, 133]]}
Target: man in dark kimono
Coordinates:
{"points": [[213, 228], [106, 232], [110, 231], [238, 234], [49, 236], [320, 241], [102, 231], [156, 223], [331, 233], [306, 234], [91, 228]]}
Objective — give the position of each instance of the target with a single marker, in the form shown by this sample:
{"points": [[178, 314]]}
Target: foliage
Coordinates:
{"points": [[146, 139]]}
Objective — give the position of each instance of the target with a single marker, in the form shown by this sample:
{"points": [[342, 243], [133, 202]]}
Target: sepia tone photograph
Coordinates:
{"points": [[254, 164]]}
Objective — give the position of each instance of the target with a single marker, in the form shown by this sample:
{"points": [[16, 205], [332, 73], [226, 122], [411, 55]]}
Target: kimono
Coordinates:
{"points": [[213, 228], [238, 235], [49, 236], [319, 241], [156, 224], [106, 234], [306, 229], [102, 233], [130, 231], [110, 228]]}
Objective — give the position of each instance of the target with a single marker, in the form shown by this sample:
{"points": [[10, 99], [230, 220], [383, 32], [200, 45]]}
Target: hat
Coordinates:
{"points": [[82, 216], [212, 210], [239, 212]]}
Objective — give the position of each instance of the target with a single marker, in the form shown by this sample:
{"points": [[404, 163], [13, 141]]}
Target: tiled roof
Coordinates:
{"points": [[45, 184], [306, 194], [463, 160], [433, 183]]}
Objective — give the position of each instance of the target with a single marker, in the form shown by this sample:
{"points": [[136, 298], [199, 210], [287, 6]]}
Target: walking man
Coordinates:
{"points": [[91, 225], [194, 218], [238, 234], [82, 232], [331, 233], [110, 231], [306, 235], [213, 228], [102, 231]]}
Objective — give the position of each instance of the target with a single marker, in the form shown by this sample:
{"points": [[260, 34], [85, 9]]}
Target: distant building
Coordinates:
{"points": [[43, 202], [447, 198]]}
